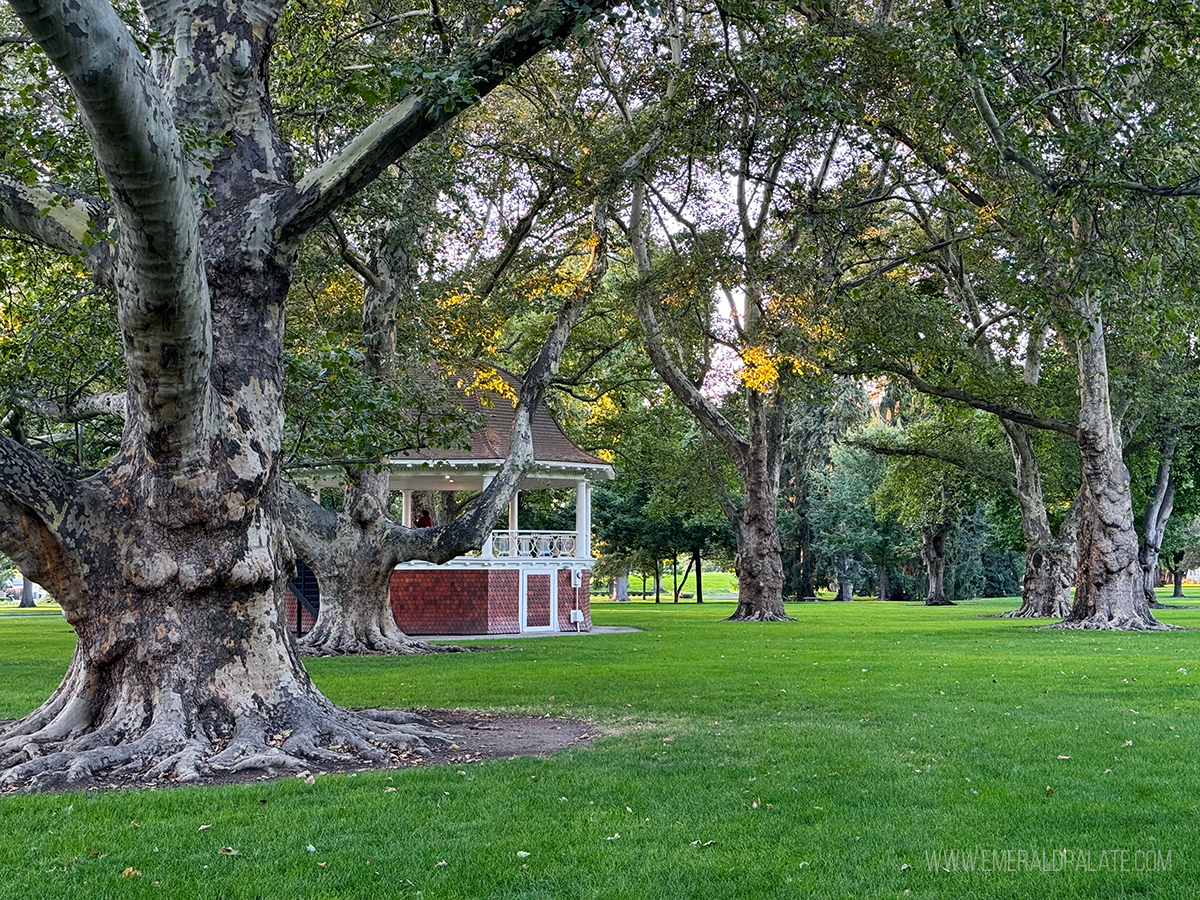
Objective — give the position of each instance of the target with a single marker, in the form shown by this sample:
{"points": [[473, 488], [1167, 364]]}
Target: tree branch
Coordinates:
{"points": [[516, 237], [164, 293], [960, 396], [350, 256], [700, 406], [28, 480], [406, 124], [90, 407], [62, 219], [1003, 479]]}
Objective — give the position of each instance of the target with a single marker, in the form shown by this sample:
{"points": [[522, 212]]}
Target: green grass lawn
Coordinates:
{"points": [[828, 757], [717, 585]]}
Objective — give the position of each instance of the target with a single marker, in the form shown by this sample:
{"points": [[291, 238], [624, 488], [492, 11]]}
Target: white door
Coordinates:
{"points": [[539, 600]]}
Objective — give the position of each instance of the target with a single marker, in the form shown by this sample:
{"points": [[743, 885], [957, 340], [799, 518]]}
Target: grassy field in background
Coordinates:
{"points": [[717, 585], [829, 757]]}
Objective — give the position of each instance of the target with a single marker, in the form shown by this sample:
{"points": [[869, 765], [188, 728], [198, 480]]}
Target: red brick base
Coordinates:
{"points": [[472, 601], [482, 601]]}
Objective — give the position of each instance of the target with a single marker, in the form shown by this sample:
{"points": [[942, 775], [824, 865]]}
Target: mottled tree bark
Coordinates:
{"points": [[759, 560], [620, 589], [1177, 573], [27, 601], [1108, 589], [1157, 514], [1050, 560], [933, 548]]}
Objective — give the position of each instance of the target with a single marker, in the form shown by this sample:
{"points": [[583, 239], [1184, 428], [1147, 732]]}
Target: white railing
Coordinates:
{"points": [[533, 544]]}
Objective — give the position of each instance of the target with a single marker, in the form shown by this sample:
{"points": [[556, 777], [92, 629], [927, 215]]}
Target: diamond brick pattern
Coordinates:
{"points": [[537, 600], [442, 601], [567, 597], [503, 602], [479, 601]]}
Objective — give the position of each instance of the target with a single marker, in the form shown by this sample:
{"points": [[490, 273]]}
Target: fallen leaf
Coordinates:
{"points": [[311, 849], [441, 864], [389, 790], [323, 865], [523, 854], [613, 837], [1060, 756], [1049, 790], [228, 851], [204, 828], [134, 825], [310, 779], [905, 867], [131, 872], [1128, 744]]}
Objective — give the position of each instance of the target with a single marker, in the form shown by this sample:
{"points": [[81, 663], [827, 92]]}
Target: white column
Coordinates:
{"points": [[487, 550], [406, 508], [512, 513], [582, 519], [587, 530]]}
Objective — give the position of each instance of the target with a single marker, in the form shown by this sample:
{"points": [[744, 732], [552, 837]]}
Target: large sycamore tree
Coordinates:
{"points": [[171, 562]]}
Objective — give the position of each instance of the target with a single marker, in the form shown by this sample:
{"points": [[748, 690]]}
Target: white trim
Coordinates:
{"points": [[562, 563]]}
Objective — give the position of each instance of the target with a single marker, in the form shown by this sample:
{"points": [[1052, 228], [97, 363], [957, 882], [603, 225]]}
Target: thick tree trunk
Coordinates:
{"points": [[1050, 562], [1159, 507], [1109, 587], [620, 589], [1175, 567], [883, 582], [350, 557], [845, 592], [933, 546], [216, 684], [759, 560], [1049, 575], [27, 601]]}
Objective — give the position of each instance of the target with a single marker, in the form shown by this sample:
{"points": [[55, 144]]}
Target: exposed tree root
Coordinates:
{"points": [[407, 647], [321, 737], [940, 602], [1101, 622], [1032, 611], [336, 634], [1159, 605], [762, 615]]}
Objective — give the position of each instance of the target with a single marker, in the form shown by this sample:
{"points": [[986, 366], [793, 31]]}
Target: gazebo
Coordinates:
{"points": [[521, 580]]}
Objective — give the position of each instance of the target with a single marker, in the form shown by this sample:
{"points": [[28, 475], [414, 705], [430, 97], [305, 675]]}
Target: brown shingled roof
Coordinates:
{"points": [[493, 439]]}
